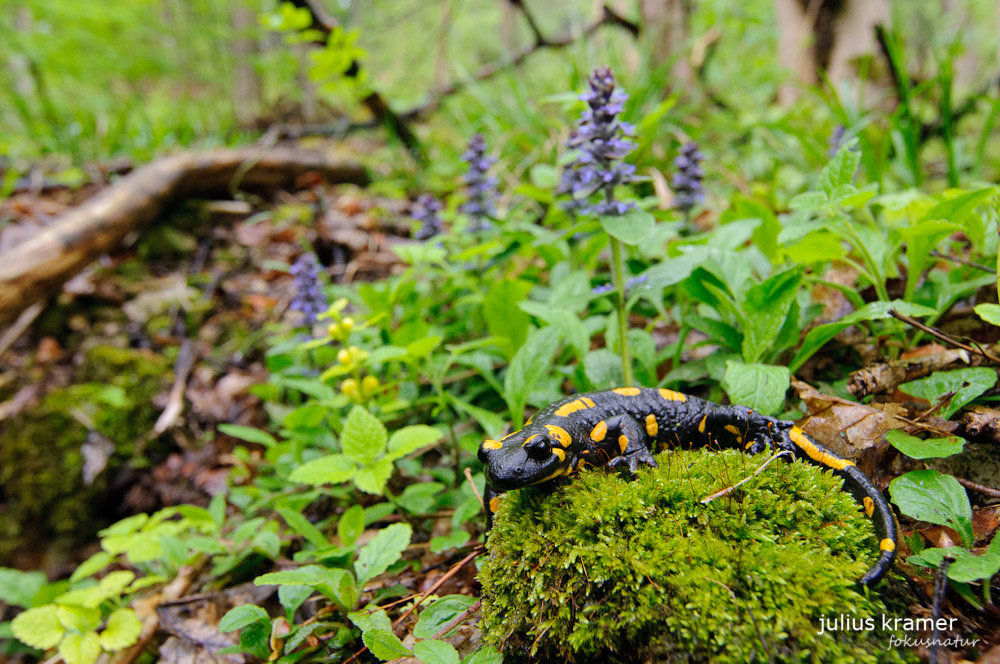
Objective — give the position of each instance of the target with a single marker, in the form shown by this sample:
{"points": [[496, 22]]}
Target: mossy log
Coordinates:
{"points": [[38, 267], [600, 569]]}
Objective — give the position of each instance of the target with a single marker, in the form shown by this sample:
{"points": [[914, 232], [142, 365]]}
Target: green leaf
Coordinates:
{"points": [[530, 363], [242, 615], [485, 655], [423, 347], [373, 478], [632, 228], [433, 651], [967, 566], [17, 587], [441, 612], [39, 627], [809, 201], [310, 416], [122, 630], [543, 176], [292, 597], [989, 313], [503, 317], [351, 524], [840, 170], [249, 434], [367, 619], [384, 644], [444, 542], [603, 369], [758, 386], [931, 448], [957, 210], [364, 436], [303, 527], [964, 384], [928, 495], [78, 618], [410, 439], [330, 469], [80, 648], [383, 550], [766, 306]]}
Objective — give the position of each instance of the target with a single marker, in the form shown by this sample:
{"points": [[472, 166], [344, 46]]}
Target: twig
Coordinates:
{"points": [[962, 261], [979, 488], [947, 338], [459, 619], [22, 323], [468, 477], [940, 587], [175, 402], [728, 490]]}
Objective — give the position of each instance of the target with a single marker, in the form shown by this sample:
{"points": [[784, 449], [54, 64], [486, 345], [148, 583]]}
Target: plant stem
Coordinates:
{"points": [[618, 275]]}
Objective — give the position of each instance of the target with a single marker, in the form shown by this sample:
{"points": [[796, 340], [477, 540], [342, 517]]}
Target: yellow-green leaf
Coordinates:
{"points": [[39, 628], [80, 648], [122, 631]]}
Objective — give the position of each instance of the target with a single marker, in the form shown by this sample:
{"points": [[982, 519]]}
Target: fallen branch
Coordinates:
{"points": [[885, 377], [974, 348], [38, 267]]}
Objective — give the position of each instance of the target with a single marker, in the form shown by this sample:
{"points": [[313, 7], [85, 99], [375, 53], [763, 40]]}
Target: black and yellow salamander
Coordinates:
{"points": [[616, 428]]}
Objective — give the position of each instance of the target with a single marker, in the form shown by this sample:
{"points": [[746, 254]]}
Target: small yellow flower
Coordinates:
{"points": [[347, 325], [350, 389], [345, 356], [333, 330], [368, 385]]}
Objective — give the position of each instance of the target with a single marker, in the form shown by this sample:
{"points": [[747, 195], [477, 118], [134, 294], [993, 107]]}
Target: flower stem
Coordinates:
{"points": [[619, 278]]}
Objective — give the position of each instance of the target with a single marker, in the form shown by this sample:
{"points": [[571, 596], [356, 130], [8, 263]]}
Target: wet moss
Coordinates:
{"points": [[44, 496], [600, 569]]}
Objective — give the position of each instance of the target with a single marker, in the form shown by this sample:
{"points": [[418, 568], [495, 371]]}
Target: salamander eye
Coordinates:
{"points": [[538, 448]]}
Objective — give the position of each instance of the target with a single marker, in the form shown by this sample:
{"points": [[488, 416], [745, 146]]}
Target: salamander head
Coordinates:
{"points": [[528, 456]]}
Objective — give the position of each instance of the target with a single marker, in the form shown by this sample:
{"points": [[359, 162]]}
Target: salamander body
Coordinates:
{"points": [[618, 428]]}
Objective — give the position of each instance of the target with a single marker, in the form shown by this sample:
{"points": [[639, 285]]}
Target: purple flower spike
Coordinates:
{"points": [[425, 210], [481, 187], [602, 141], [687, 180], [309, 298]]}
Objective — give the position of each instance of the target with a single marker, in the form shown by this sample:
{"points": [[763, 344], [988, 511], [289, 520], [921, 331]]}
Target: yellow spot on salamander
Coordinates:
{"points": [[530, 438], [670, 395], [623, 442], [701, 425], [627, 391], [652, 428], [599, 432], [494, 503], [559, 453], [559, 434], [587, 402], [887, 545], [557, 473], [492, 445], [869, 506], [732, 429], [798, 437], [568, 409]]}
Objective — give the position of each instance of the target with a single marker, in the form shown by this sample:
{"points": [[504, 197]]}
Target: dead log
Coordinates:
{"points": [[38, 267]]}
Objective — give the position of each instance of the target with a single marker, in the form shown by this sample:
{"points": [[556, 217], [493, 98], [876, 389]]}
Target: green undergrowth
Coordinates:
{"points": [[44, 495], [606, 570]]}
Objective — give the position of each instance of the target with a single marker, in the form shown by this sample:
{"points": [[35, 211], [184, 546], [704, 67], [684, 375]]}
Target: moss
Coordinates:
{"points": [[43, 493], [605, 570]]}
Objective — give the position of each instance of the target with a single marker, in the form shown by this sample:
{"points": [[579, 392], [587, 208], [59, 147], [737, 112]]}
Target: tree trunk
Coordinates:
{"points": [[664, 24]]}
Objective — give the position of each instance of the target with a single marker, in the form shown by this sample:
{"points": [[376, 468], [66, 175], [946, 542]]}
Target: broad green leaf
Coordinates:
{"points": [[532, 361], [444, 542], [809, 201], [122, 630], [241, 616], [491, 423], [310, 416], [80, 648], [603, 369], [543, 176], [957, 210], [420, 497], [383, 550], [931, 448], [503, 316], [432, 651], [249, 434], [303, 527], [423, 347], [17, 587], [367, 619], [632, 228], [351, 524], [410, 439], [364, 436], [766, 305], [79, 618], [307, 575], [989, 313], [931, 496], [94, 564], [485, 655], [964, 384], [330, 469], [967, 566], [384, 644], [670, 271], [292, 597], [39, 627], [840, 170], [441, 612], [373, 478], [921, 239], [761, 387]]}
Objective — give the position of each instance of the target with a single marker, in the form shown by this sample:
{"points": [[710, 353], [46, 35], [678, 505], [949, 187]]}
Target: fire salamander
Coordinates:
{"points": [[616, 428]]}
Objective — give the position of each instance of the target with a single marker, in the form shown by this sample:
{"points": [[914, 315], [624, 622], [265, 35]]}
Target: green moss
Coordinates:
{"points": [[606, 570], [43, 495]]}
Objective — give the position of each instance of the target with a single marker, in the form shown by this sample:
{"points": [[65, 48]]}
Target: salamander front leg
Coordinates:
{"points": [[491, 501], [627, 440]]}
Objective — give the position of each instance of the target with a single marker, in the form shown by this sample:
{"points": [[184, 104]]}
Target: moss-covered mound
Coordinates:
{"points": [[43, 495], [601, 569]]}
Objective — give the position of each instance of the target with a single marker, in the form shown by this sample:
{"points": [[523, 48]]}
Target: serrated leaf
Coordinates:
{"points": [[928, 495], [840, 170], [766, 306], [367, 620], [249, 434], [372, 479], [80, 648], [39, 627], [383, 550], [441, 612], [384, 644], [964, 384], [240, 616], [432, 651], [330, 469], [761, 387], [17, 587], [931, 448], [351, 524], [123, 629], [603, 369], [631, 228], [808, 201], [302, 526], [410, 439], [79, 618], [485, 655], [364, 436]]}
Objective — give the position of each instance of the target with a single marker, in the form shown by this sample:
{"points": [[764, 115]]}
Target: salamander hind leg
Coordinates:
{"points": [[626, 439], [750, 431]]}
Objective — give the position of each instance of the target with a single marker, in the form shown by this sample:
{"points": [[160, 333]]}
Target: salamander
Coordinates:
{"points": [[617, 429]]}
